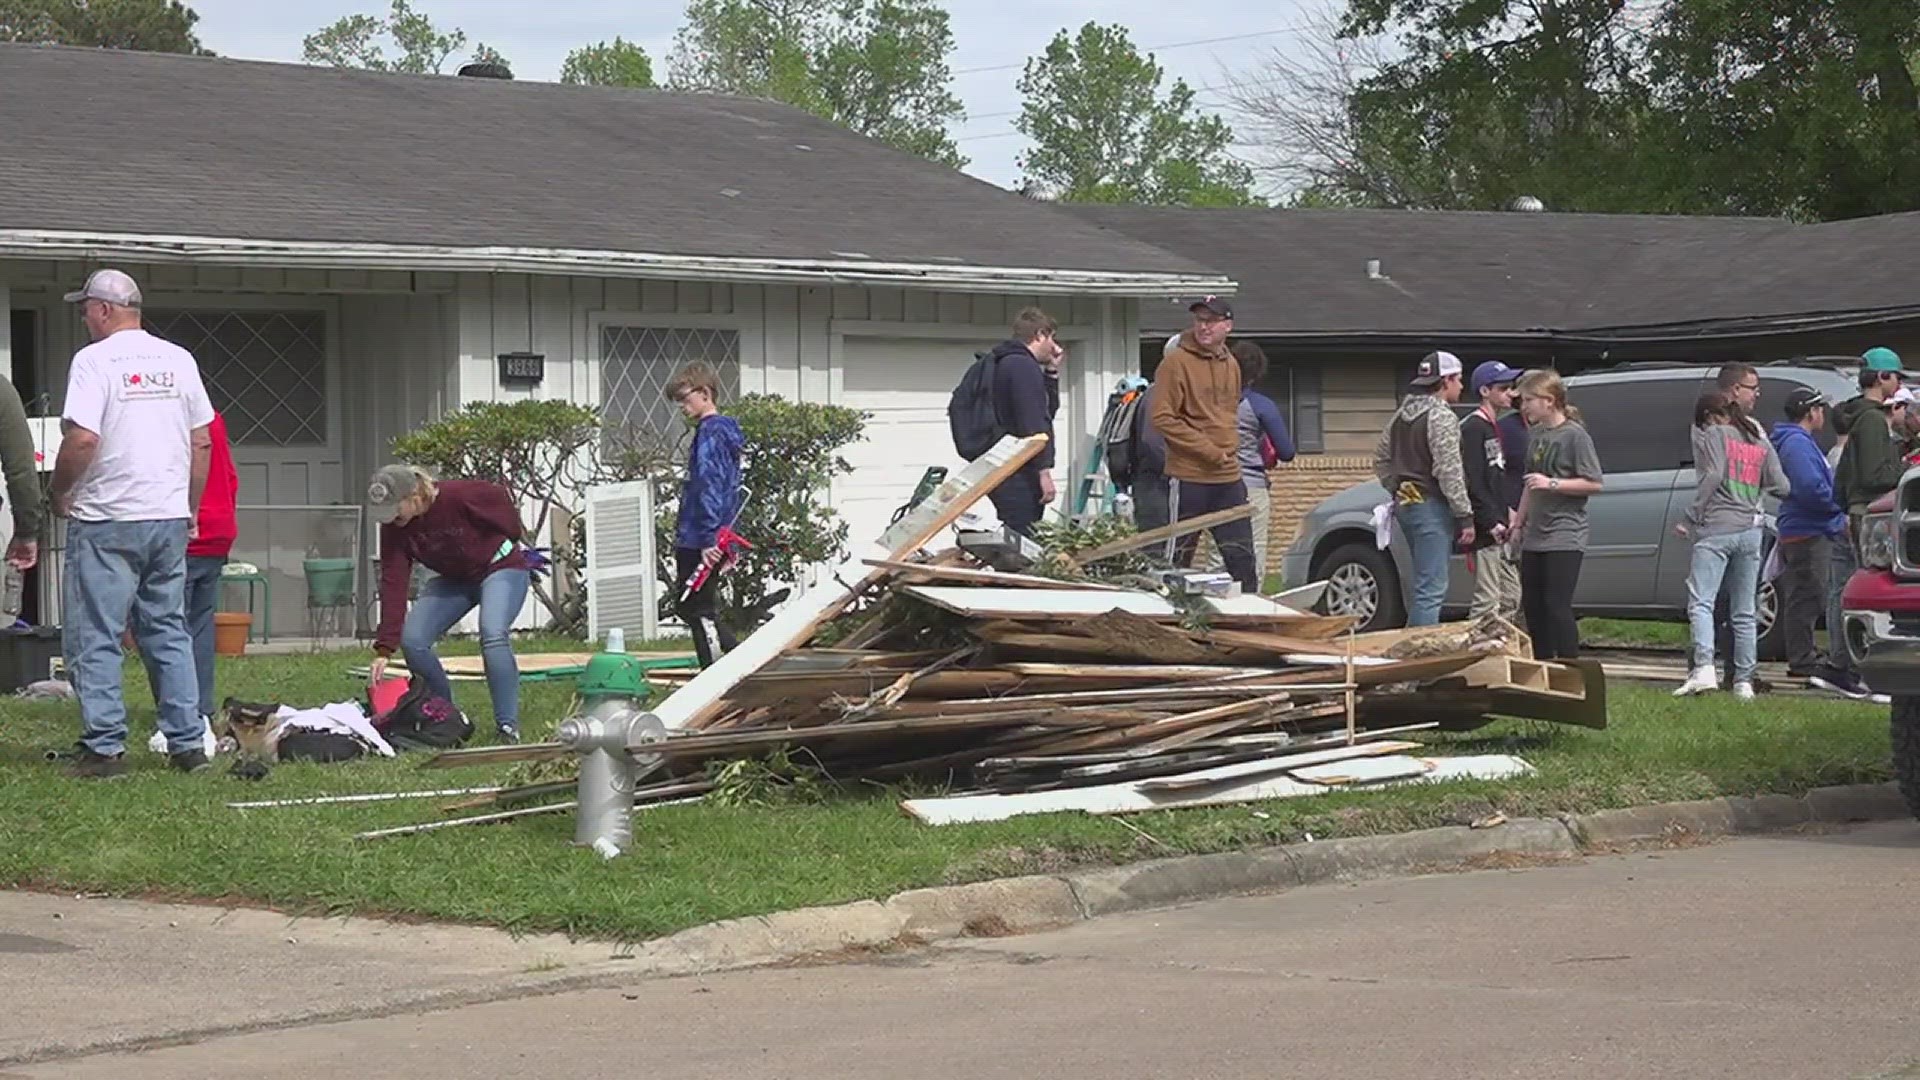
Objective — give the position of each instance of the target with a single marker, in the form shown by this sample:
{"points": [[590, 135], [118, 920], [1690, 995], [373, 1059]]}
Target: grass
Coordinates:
{"points": [[156, 833], [1634, 633]]}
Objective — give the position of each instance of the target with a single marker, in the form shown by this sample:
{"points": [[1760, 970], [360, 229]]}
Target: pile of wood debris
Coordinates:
{"points": [[1037, 693]]}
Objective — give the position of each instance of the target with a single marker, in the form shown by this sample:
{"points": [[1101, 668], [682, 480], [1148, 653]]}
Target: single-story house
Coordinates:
{"points": [[352, 254], [1345, 302]]}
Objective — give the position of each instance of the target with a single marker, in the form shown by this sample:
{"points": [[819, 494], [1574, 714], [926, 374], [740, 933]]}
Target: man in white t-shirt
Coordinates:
{"points": [[133, 463]]}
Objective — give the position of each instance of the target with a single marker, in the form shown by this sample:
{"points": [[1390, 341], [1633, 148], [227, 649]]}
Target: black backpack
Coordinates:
{"points": [[421, 721], [1118, 447], [970, 413]]}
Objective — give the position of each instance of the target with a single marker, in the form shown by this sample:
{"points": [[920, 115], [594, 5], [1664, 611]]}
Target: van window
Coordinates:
{"points": [[1641, 425], [1773, 406]]}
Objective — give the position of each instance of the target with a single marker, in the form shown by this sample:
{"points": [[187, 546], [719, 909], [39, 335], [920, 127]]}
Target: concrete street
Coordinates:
{"points": [[1783, 957]]}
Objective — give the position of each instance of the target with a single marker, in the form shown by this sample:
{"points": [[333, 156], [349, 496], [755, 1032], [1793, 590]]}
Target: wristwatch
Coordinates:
{"points": [[1553, 484]]}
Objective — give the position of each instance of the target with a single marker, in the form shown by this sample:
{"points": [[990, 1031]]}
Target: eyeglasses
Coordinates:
{"points": [[1750, 386]]}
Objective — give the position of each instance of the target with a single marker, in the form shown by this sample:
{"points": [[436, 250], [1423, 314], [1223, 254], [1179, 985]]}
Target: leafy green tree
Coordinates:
{"points": [[879, 67], [139, 25], [1103, 130], [356, 41], [1791, 106], [609, 63]]}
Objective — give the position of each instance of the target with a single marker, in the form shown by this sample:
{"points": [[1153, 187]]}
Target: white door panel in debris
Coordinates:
{"points": [[905, 383]]}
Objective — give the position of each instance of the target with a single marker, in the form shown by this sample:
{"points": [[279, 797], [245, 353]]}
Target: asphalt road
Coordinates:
{"points": [[1780, 957]]}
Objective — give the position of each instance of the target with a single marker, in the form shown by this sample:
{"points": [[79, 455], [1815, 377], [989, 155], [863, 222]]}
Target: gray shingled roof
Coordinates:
{"points": [[123, 142], [1305, 271]]}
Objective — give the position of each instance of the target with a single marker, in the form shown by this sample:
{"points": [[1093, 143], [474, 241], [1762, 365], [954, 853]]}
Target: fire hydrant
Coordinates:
{"points": [[613, 692]]}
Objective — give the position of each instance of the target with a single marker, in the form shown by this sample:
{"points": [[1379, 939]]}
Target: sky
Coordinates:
{"points": [[992, 38]]}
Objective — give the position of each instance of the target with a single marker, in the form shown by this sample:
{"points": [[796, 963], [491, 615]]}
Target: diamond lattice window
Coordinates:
{"points": [[637, 362], [266, 371]]}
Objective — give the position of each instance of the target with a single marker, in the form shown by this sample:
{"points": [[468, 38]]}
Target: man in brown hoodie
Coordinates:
{"points": [[1196, 402]]}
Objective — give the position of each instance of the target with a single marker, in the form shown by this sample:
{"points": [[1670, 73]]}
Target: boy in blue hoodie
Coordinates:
{"points": [[709, 499], [1815, 560]]}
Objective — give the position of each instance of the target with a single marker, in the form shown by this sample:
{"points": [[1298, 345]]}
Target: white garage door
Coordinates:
{"points": [[905, 383]]}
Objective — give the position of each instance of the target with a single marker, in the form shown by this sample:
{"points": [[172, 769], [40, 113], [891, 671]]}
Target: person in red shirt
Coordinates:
{"points": [[469, 533], [208, 545]]}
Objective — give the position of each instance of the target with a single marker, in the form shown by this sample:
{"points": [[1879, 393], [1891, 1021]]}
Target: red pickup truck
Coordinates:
{"points": [[1882, 603]]}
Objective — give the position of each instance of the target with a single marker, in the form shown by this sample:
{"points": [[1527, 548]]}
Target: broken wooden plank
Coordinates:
{"points": [[990, 603], [1161, 534], [1128, 798], [968, 576], [699, 700], [1278, 763]]}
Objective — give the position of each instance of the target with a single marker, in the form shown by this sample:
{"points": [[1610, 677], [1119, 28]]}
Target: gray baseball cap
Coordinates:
{"points": [[391, 485], [112, 286]]}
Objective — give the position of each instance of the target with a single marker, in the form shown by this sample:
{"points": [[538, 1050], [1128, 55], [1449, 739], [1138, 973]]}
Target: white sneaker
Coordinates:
{"points": [[1743, 691], [1700, 681]]}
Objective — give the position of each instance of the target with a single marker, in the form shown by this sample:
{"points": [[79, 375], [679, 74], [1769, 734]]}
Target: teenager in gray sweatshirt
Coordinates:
{"points": [[1737, 468]]}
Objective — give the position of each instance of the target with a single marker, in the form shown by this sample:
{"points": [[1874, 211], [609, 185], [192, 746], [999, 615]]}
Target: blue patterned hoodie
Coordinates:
{"points": [[712, 493]]}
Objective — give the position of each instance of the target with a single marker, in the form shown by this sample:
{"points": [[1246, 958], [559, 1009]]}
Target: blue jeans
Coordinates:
{"points": [[499, 596], [115, 570], [203, 595], [1736, 558], [1428, 527]]}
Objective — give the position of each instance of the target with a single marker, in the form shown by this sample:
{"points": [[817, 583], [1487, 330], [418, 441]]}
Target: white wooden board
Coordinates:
{"points": [[1075, 603], [1128, 798]]}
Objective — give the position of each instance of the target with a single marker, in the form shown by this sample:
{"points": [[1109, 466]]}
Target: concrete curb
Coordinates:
{"points": [[1020, 905]]}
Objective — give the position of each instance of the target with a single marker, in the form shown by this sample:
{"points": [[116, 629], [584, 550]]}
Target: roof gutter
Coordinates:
{"points": [[1655, 334], [957, 277]]}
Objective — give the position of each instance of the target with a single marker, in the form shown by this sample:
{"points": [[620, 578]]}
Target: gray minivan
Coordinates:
{"points": [[1636, 568]]}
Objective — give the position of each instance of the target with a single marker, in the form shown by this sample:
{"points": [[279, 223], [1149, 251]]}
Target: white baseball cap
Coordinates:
{"points": [[1902, 396], [112, 286]]}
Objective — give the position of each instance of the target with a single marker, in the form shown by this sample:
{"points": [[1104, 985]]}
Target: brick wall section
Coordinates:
{"points": [[1298, 486]]}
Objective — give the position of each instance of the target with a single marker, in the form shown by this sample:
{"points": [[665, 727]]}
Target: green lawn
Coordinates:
{"points": [[157, 833], [1633, 633]]}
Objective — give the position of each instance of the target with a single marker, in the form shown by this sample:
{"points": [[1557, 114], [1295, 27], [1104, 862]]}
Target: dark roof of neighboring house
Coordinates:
{"points": [[1305, 271], [122, 142]]}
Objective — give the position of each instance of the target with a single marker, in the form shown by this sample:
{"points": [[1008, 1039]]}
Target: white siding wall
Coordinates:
{"points": [[787, 334], [407, 347]]}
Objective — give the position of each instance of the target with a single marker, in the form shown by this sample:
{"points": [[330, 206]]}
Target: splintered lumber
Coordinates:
{"points": [[1129, 798], [699, 700], [913, 571], [1161, 534], [991, 603], [1125, 632], [1226, 774]]}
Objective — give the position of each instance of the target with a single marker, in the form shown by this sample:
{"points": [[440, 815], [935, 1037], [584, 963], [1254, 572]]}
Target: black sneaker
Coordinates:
{"points": [[88, 765], [1844, 683], [509, 735], [190, 761]]}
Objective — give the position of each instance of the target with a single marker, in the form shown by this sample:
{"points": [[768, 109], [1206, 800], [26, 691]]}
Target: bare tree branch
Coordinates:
{"points": [[1295, 105]]}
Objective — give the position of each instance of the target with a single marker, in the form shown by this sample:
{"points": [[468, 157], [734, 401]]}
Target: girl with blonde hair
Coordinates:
{"points": [[1562, 472]]}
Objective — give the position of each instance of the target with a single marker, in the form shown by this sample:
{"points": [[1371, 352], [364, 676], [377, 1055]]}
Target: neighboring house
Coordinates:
{"points": [[1345, 302], [350, 254]]}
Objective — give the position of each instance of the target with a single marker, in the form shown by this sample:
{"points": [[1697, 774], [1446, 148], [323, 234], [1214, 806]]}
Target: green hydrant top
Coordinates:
{"points": [[613, 674]]}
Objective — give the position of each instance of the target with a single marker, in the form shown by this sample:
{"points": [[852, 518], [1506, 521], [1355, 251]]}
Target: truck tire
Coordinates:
{"points": [[1906, 749], [1361, 581]]}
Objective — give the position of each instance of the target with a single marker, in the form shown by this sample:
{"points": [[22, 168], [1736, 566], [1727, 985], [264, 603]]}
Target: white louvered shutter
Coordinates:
{"points": [[622, 589]]}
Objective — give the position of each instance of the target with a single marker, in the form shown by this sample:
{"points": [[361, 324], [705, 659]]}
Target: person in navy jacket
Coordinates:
{"points": [[1815, 556], [709, 500]]}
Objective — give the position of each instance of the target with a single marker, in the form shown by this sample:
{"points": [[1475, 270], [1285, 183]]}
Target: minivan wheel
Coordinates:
{"points": [[1770, 633], [1361, 582]]}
